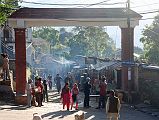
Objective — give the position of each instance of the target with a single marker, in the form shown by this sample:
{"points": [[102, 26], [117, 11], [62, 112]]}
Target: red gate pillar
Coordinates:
{"points": [[127, 45], [20, 50]]}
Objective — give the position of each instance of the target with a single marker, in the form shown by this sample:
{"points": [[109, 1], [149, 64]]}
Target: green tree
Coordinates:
{"points": [[47, 33], [87, 41], [6, 8], [78, 44], [91, 41], [56, 38], [150, 39], [65, 36]]}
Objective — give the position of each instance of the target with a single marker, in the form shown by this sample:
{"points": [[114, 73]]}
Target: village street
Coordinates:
{"points": [[53, 111]]}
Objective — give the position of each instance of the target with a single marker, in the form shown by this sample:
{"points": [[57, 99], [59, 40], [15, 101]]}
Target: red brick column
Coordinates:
{"points": [[127, 45], [20, 50]]}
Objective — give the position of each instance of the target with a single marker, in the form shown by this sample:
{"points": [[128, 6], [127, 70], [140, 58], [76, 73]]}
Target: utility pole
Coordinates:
{"points": [[128, 13], [129, 41], [128, 24]]}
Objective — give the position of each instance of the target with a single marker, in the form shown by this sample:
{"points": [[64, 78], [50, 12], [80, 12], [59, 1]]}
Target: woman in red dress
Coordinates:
{"points": [[66, 96], [75, 92]]}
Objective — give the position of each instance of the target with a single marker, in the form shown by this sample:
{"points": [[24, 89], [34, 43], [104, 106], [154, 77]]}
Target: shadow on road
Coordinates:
{"points": [[58, 114]]}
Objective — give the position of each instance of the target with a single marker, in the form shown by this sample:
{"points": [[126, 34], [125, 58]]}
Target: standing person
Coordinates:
{"points": [[87, 88], [75, 92], [29, 92], [102, 93], [66, 96], [50, 82], [68, 78], [5, 66], [112, 106], [39, 94], [33, 95], [58, 80], [45, 93]]}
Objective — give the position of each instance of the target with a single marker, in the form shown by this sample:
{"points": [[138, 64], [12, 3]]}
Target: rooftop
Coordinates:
{"points": [[61, 13]]}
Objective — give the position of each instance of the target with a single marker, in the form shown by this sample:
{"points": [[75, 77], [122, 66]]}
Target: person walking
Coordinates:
{"points": [[112, 106], [102, 93], [58, 80], [75, 92], [66, 96], [45, 92], [87, 88], [50, 81]]}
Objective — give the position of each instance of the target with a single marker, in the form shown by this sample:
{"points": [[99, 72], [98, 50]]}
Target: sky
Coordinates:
{"points": [[139, 6]]}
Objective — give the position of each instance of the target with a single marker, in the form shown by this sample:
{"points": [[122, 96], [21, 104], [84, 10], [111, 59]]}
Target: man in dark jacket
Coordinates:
{"points": [[87, 88], [45, 93], [58, 80], [113, 106]]}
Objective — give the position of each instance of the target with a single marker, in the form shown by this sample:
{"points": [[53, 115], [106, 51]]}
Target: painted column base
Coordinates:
{"points": [[21, 99]]}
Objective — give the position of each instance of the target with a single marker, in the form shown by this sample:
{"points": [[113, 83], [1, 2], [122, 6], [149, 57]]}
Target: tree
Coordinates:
{"points": [[87, 41], [65, 36], [78, 44], [91, 41], [57, 38], [150, 39], [6, 8], [47, 33]]}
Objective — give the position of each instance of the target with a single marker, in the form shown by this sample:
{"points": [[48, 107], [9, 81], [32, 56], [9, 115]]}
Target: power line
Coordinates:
{"points": [[145, 11], [155, 11], [100, 3], [87, 5], [144, 5]]}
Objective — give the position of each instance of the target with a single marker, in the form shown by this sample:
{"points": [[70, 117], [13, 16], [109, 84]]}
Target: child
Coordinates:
{"points": [[66, 96], [75, 92]]}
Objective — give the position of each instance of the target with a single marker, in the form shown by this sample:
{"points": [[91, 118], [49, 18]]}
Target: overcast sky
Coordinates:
{"points": [[140, 6]]}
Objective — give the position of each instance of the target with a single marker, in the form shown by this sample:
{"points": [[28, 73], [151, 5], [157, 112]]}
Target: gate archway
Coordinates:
{"points": [[31, 17]]}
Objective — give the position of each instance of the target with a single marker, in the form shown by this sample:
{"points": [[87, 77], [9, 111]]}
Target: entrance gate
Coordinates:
{"points": [[31, 17]]}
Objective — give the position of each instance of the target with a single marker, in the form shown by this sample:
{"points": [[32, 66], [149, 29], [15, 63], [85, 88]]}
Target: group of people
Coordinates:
{"points": [[112, 103], [36, 94], [70, 94], [106, 100]]}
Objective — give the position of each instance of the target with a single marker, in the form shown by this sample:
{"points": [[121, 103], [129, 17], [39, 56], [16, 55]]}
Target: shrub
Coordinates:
{"points": [[148, 90]]}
